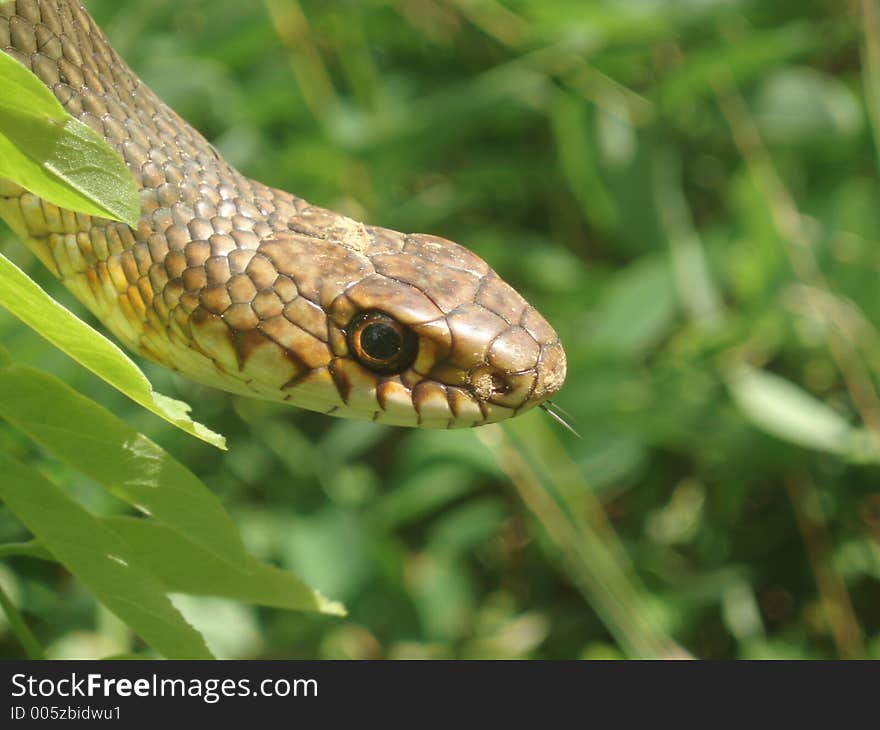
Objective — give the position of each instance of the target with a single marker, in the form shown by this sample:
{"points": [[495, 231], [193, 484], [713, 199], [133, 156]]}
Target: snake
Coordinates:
{"points": [[253, 290]]}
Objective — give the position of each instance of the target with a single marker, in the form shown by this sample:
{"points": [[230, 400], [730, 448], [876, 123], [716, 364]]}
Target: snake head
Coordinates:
{"points": [[480, 353], [420, 331]]}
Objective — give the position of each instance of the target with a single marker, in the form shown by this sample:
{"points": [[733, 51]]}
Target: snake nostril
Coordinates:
{"points": [[488, 383], [500, 386]]}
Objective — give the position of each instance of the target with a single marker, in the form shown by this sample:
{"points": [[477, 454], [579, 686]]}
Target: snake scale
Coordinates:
{"points": [[255, 291]]}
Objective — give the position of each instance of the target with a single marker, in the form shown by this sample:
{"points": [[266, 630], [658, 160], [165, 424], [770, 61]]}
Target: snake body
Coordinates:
{"points": [[255, 291]]}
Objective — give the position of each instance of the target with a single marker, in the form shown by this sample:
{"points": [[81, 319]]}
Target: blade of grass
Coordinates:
{"points": [[594, 558], [845, 629], [308, 67], [20, 628], [696, 289], [871, 67], [798, 247]]}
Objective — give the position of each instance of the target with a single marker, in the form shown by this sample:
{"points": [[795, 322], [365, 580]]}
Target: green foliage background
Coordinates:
{"points": [[687, 189]]}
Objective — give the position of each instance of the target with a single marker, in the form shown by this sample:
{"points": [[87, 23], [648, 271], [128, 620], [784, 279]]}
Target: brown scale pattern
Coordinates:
{"points": [[250, 288]]}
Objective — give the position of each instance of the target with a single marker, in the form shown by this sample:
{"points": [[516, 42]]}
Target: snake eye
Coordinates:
{"points": [[381, 344]]}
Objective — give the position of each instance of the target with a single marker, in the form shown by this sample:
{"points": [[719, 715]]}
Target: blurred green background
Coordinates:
{"points": [[688, 190]]}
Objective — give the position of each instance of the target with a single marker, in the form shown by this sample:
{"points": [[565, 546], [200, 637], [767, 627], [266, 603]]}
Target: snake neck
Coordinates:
{"points": [[194, 205]]}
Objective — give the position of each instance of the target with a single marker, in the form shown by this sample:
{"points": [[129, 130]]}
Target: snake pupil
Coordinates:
{"points": [[381, 341], [381, 344]]}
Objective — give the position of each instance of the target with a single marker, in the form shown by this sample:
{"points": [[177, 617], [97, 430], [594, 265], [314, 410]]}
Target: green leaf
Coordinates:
{"points": [[26, 300], [799, 105], [636, 310], [31, 549], [184, 567], [53, 155], [191, 543], [100, 559], [779, 407], [92, 440]]}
